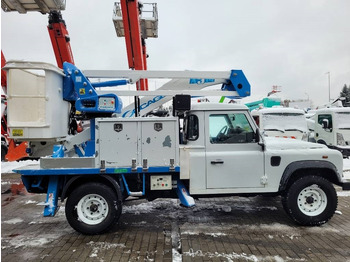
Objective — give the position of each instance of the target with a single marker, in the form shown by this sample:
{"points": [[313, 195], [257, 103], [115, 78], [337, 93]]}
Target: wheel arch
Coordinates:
{"points": [[84, 179], [298, 169], [321, 141]]}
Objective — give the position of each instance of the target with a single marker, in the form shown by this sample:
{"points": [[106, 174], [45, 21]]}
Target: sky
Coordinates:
{"points": [[291, 44]]}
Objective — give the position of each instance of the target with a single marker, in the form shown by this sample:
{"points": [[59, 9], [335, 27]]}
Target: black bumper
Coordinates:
{"points": [[346, 186]]}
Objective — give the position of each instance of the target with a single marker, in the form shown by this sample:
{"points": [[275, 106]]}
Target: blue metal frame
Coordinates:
{"points": [[183, 194], [239, 83], [94, 171], [52, 190], [52, 197], [143, 184], [77, 88], [54, 175]]}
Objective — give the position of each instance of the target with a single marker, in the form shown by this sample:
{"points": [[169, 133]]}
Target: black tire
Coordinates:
{"points": [[310, 201], [93, 208]]}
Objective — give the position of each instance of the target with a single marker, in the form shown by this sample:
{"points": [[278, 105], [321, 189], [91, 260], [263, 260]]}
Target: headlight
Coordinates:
{"points": [[340, 140]]}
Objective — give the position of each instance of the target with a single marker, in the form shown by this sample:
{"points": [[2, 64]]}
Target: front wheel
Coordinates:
{"points": [[93, 208], [310, 201]]}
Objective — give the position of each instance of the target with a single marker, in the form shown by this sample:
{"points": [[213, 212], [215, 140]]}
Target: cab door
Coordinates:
{"points": [[233, 158], [324, 129]]}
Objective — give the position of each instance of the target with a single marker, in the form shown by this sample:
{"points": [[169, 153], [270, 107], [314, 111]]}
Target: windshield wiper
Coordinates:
{"points": [[295, 129], [274, 129]]}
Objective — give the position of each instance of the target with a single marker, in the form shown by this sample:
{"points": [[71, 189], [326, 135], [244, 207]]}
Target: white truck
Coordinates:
{"points": [[332, 128], [282, 122], [217, 152]]}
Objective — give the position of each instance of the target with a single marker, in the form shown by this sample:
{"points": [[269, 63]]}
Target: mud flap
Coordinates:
{"points": [[51, 197], [52, 191], [183, 195]]}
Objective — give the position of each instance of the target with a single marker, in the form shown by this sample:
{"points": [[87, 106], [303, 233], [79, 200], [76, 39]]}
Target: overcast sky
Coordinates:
{"points": [[291, 44]]}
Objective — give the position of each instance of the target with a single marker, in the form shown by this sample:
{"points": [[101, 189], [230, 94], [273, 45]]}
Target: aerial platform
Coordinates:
{"points": [[24, 6]]}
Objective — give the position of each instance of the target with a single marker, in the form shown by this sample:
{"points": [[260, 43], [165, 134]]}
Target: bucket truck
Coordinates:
{"points": [[201, 150]]}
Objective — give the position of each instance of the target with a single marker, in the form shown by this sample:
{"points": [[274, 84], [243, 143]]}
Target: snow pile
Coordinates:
{"points": [[177, 257], [148, 207], [235, 256], [29, 202], [216, 234], [7, 167], [343, 193], [30, 241], [346, 168], [13, 221], [229, 257], [346, 164]]}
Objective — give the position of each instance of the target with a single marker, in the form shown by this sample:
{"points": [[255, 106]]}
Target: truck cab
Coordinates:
{"points": [[332, 128], [221, 142]]}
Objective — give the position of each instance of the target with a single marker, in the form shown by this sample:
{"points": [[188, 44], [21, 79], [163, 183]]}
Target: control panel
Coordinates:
{"points": [[106, 103], [162, 182]]}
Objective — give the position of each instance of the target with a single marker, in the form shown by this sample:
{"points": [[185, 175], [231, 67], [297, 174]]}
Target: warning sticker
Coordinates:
{"points": [[81, 91], [17, 132]]}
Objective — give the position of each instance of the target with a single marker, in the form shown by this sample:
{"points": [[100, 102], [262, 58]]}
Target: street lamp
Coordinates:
{"points": [[308, 97], [329, 86]]}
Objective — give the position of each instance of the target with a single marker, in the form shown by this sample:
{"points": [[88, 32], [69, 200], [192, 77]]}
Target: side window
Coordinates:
{"points": [[230, 129], [191, 128], [257, 120], [321, 120]]}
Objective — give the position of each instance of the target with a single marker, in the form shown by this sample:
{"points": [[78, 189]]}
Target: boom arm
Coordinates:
{"points": [[60, 39], [233, 81], [130, 23]]}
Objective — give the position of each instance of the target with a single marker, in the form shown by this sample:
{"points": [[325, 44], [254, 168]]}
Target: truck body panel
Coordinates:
{"points": [[332, 128]]}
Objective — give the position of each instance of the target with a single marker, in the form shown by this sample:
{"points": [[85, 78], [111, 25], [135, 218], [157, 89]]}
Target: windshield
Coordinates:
{"points": [[342, 120], [284, 122]]}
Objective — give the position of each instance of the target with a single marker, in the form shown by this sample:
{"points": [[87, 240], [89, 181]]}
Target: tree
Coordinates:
{"points": [[345, 93]]}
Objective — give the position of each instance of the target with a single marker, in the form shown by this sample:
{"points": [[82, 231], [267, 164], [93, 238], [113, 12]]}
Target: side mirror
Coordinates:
{"points": [[257, 136], [259, 140], [325, 123]]}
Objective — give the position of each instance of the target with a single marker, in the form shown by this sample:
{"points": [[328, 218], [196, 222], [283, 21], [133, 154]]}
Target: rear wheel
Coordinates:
{"points": [[310, 201], [93, 208]]}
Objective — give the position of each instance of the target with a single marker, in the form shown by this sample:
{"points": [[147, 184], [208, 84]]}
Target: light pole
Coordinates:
{"points": [[308, 97], [329, 86]]}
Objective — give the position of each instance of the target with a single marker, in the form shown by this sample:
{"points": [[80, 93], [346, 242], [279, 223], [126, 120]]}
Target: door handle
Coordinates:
{"points": [[217, 162]]}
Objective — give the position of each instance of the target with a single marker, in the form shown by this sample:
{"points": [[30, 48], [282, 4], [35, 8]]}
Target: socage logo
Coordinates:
{"points": [[143, 106]]}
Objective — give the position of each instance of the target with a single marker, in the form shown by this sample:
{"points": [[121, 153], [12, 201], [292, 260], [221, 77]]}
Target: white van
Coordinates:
{"points": [[332, 128]]}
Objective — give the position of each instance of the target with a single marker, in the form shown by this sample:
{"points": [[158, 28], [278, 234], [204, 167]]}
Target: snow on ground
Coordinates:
{"points": [[234, 256], [343, 193], [13, 221], [29, 241], [346, 168], [148, 207], [101, 246], [346, 164]]}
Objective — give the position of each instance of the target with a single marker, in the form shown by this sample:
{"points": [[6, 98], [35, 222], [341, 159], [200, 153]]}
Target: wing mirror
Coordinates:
{"points": [[325, 123], [257, 136], [259, 139]]}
